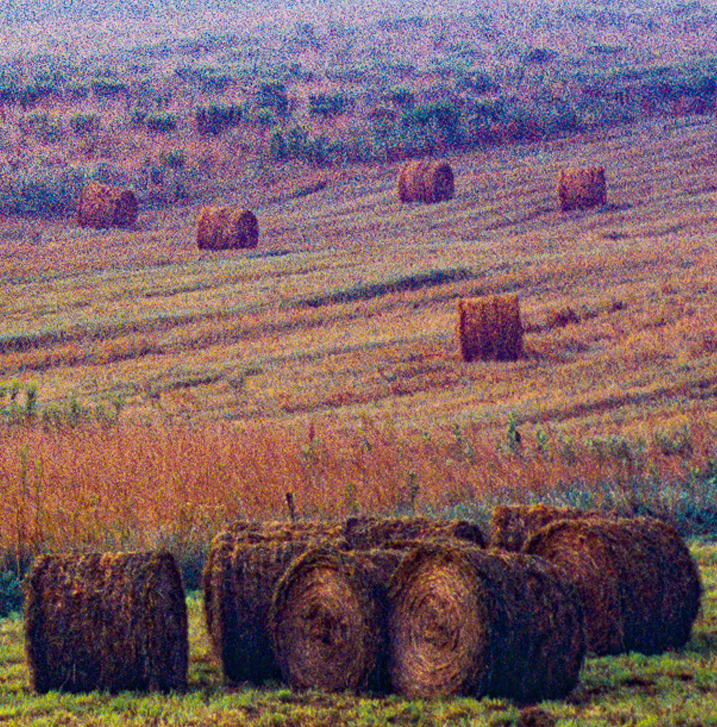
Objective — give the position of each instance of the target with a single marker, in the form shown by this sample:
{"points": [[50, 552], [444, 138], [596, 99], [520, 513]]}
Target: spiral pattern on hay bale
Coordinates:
{"points": [[226, 228], [511, 525], [366, 531], [328, 619], [112, 621], [581, 188], [638, 581], [103, 206], [427, 181], [489, 328], [484, 623], [244, 564]]}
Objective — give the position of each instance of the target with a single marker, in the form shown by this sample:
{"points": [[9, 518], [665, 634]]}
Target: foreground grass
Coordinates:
{"points": [[676, 688]]}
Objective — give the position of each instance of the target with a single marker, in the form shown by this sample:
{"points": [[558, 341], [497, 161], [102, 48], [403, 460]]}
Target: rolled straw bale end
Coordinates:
{"points": [[326, 621], [489, 328], [581, 188], [101, 206], [467, 621]]}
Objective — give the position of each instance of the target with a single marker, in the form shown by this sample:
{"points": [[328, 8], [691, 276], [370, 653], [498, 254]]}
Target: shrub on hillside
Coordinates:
{"points": [[216, 118], [84, 123], [161, 123]]}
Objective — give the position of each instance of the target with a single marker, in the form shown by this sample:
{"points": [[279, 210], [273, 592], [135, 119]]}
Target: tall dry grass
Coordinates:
{"points": [[95, 487]]}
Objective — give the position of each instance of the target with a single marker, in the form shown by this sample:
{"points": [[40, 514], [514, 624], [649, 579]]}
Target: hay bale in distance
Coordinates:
{"points": [[423, 180], [484, 623], [581, 188], [244, 565], [103, 206], [489, 328], [226, 228], [112, 621], [511, 525], [327, 619], [638, 581], [365, 531]]}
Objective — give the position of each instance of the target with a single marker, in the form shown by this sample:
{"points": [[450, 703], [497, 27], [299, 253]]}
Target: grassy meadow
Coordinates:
{"points": [[150, 392]]}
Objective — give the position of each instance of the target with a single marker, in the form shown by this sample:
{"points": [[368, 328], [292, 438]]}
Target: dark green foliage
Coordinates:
{"points": [[327, 105], [10, 593], [216, 118], [272, 95], [174, 159], [84, 123], [108, 87], [161, 123]]}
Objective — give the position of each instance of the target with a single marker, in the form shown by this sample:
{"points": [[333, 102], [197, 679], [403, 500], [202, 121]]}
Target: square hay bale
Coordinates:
{"points": [[581, 188], [112, 621], [489, 328]]}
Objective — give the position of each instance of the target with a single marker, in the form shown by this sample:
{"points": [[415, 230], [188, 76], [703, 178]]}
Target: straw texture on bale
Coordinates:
{"points": [[328, 619], [226, 228], [244, 564], [581, 188], [638, 582], [103, 206], [423, 180], [489, 328], [511, 525], [365, 531], [112, 621], [485, 623]]}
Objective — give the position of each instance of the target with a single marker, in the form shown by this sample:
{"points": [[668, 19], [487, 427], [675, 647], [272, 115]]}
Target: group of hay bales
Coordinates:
{"points": [[417, 606], [218, 227]]}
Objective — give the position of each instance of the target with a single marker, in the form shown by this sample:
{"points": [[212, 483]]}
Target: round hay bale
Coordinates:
{"points": [[489, 328], [511, 525], [483, 623], [112, 622], [226, 228], [423, 180], [581, 188], [365, 531], [103, 206], [638, 581], [243, 567], [327, 619]]}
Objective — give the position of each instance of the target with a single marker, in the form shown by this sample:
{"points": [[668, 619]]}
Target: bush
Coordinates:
{"points": [[215, 118], [272, 95], [43, 126], [108, 87], [161, 123], [326, 105], [173, 159], [84, 123]]}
